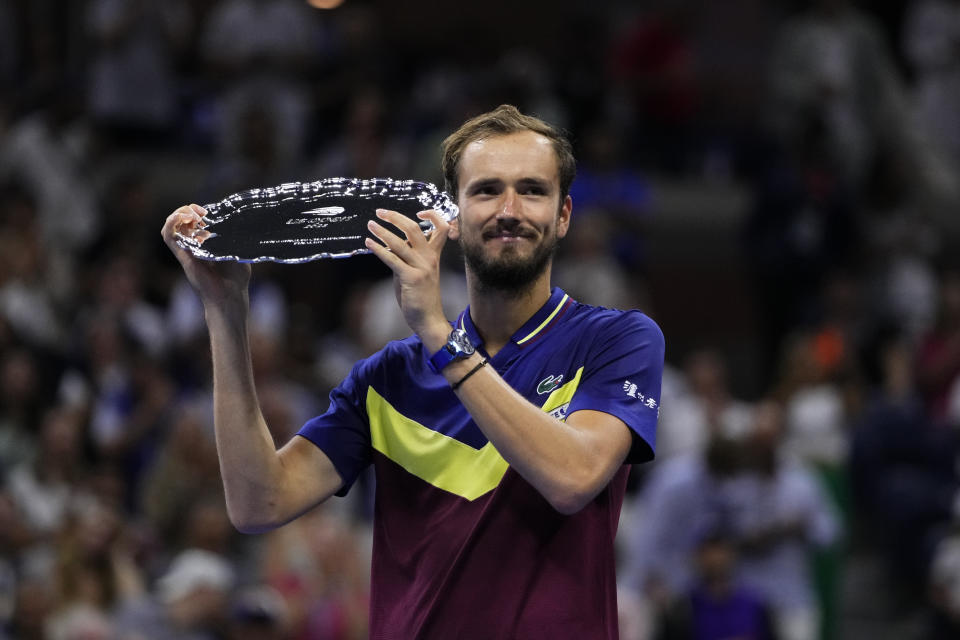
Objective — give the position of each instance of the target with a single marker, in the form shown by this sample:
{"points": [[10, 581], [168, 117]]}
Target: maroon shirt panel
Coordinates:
{"points": [[506, 565]]}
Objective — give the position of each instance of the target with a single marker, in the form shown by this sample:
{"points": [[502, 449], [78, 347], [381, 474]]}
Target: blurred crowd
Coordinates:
{"points": [[822, 500]]}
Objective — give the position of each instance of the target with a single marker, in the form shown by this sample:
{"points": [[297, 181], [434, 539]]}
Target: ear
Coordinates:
{"points": [[453, 233], [563, 217]]}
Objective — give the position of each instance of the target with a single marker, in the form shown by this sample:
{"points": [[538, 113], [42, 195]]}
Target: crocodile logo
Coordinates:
{"points": [[548, 384]]}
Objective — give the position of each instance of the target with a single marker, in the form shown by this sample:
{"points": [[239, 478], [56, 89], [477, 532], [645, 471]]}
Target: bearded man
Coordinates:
{"points": [[501, 442]]}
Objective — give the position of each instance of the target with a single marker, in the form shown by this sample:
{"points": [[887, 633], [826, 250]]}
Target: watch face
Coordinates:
{"points": [[458, 347], [460, 343]]}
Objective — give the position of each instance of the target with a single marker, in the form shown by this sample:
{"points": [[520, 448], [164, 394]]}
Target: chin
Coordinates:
{"points": [[510, 267]]}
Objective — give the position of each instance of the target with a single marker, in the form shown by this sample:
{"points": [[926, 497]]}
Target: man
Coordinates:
{"points": [[500, 448]]}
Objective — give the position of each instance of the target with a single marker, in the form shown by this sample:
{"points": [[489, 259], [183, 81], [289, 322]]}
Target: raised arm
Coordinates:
{"points": [[264, 487]]}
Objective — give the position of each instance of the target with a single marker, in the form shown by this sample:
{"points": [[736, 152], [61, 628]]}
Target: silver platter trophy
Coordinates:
{"points": [[302, 221]]}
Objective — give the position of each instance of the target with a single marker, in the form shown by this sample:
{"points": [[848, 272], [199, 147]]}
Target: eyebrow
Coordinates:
{"points": [[521, 183], [534, 182], [484, 182]]}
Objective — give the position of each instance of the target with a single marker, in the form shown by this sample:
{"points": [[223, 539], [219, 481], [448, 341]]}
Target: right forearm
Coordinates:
{"points": [[258, 486], [249, 464], [264, 487]]}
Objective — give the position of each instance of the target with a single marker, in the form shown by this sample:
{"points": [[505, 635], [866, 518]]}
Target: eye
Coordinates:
{"points": [[485, 190], [533, 190]]}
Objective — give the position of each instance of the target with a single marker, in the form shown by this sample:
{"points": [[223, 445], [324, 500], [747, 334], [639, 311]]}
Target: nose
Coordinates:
{"points": [[511, 204]]}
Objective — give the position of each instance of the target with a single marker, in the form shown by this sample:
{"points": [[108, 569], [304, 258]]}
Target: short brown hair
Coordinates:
{"points": [[504, 120]]}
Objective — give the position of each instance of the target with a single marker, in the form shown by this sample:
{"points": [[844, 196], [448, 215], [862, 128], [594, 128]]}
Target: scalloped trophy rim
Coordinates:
{"points": [[428, 194]]}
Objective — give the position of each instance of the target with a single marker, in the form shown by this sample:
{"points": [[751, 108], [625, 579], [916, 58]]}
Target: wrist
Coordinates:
{"points": [[454, 372], [230, 315], [434, 337]]}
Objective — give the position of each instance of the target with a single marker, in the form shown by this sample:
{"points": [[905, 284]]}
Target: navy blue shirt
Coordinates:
{"points": [[461, 541]]}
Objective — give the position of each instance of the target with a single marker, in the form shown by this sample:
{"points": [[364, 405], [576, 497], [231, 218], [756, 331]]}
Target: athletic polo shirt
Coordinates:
{"points": [[463, 546]]}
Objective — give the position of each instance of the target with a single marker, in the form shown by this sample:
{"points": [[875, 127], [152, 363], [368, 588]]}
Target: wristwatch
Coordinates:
{"points": [[458, 347]]}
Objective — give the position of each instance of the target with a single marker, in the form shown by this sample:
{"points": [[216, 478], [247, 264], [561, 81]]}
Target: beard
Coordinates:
{"points": [[510, 272]]}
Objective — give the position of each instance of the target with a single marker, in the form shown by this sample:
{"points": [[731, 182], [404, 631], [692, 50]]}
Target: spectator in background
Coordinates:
{"points": [[682, 498], [382, 320], [523, 75], [48, 152], [254, 161], [133, 90], [81, 622], [707, 407], [184, 471], [938, 356], [126, 393], [802, 227], [831, 63], [30, 274], [119, 292], [321, 565], [903, 239], [718, 607], [586, 269], [205, 526], [45, 487], [367, 145], [259, 613], [819, 395], [654, 71], [268, 310], [15, 537], [931, 44], [584, 92], [779, 515], [35, 600], [130, 197], [286, 403], [944, 588], [337, 351], [21, 402], [609, 185], [902, 466], [95, 572], [190, 601], [813, 403], [258, 52]]}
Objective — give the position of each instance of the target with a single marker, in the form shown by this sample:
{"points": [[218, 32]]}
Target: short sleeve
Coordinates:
{"points": [[622, 376], [342, 433]]}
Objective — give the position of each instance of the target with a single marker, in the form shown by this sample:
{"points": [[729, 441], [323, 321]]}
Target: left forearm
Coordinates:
{"points": [[568, 464]]}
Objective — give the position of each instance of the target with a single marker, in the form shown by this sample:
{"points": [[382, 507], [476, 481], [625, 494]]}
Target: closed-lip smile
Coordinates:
{"points": [[507, 236]]}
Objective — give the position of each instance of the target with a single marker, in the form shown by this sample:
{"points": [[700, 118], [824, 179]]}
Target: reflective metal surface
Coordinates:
{"points": [[302, 221]]}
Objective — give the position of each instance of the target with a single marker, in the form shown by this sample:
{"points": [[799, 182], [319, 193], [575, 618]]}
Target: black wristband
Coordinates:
{"points": [[456, 385]]}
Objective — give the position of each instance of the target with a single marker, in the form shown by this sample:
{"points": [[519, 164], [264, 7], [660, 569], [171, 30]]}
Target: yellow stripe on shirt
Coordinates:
{"points": [[545, 322], [444, 462], [438, 459]]}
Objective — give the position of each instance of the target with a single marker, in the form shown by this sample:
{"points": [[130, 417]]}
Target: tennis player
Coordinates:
{"points": [[501, 441]]}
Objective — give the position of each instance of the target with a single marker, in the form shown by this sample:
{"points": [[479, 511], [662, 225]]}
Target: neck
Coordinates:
{"points": [[497, 314]]}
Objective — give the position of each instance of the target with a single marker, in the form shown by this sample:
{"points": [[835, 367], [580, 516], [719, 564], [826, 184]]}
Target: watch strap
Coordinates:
{"points": [[451, 351]]}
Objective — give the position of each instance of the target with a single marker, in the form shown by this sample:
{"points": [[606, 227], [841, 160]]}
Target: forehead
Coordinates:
{"points": [[513, 155]]}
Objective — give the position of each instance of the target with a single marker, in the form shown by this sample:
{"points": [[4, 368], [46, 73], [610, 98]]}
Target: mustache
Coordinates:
{"points": [[508, 227]]}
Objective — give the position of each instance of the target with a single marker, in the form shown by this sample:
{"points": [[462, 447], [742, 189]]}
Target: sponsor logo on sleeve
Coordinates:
{"points": [[633, 391]]}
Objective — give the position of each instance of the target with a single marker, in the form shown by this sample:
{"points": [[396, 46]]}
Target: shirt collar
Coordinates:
{"points": [[536, 326]]}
